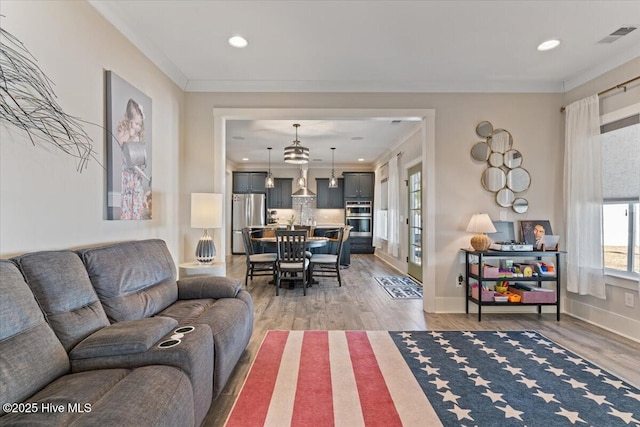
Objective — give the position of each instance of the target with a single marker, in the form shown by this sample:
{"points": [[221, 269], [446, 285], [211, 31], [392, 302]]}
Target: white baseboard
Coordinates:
{"points": [[612, 322]]}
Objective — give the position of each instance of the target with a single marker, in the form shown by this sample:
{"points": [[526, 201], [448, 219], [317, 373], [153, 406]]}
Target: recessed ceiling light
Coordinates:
{"points": [[361, 160], [357, 138], [244, 159], [239, 138], [548, 45], [238, 41]]}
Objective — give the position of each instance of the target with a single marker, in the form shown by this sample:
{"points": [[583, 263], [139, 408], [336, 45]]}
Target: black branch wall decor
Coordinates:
{"points": [[28, 101]]}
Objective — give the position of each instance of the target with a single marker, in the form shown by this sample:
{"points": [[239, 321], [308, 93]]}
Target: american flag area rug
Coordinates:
{"points": [[428, 378]]}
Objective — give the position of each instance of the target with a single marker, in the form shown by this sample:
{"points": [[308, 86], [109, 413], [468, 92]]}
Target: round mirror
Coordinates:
{"points": [[505, 197], [480, 151], [518, 180], [520, 205], [500, 141], [484, 129], [493, 179], [512, 159], [495, 159]]}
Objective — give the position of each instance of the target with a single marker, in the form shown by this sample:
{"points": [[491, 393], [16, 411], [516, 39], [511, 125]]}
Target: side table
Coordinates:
{"points": [[216, 268]]}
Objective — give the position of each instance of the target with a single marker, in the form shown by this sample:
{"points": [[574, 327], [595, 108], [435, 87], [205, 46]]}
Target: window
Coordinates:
{"points": [[621, 191]]}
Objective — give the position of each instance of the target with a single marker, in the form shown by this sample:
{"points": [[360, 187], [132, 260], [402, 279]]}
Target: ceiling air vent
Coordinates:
{"points": [[620, 32]]}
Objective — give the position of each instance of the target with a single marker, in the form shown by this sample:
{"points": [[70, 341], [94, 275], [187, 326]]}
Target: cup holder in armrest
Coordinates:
{"points": [[169, 343], [184, 329]]}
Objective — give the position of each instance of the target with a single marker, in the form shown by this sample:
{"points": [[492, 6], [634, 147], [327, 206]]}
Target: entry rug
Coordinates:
{"points": [[400, 287], [452, 378]]}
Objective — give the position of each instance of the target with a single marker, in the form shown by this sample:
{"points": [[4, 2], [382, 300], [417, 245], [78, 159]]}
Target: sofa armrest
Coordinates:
{"points": [[128, 337], [197, 287]]}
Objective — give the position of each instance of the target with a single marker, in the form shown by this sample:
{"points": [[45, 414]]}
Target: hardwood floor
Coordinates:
{"points": [[362, 304]]}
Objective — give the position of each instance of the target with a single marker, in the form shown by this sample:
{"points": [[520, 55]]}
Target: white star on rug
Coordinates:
{"points": [[495, 397], [543, 342], [510, 412], [431, 370], [435, 334], [459, 359], [597, 398], [469, 370], [575, 360], [442, 342], [525, 351], [468, 334], [501, 334], [616, 384], [513, 370], [409, 342], [557, 350], [540, 360], [423, 359], [480, 382], [595, 371], [499, 359], [451, 350], [547, 397], [440, 383], [529, 383], [415, 350], [477, 342], [556, 371], [513, 343], [529, 334], [447, 396], [575, 383], [461, 413], [627, 417], [488, 350], [405, 334], [632, 395], [571, 416]]}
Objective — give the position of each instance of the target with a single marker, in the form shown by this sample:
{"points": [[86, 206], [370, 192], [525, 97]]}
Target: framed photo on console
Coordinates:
{"points": [[532, 231]]}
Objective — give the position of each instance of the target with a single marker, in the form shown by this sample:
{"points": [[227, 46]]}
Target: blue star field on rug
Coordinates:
{"points": [[515, 378]]}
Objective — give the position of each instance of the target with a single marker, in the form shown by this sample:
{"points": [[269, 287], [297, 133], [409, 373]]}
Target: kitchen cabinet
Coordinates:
{"points": [[279, 197], [361, 245], [329, 198], [249, 182], [475, 271], [358, 185]]}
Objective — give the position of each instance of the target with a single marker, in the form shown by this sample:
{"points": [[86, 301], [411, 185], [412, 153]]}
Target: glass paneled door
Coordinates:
{"points": [[415, 222]]}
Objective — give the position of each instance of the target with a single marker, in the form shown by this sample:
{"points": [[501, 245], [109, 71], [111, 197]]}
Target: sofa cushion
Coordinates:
{"points": [[147, 396], [62, 287], [31, 355], [128, 337], [134, 279]]}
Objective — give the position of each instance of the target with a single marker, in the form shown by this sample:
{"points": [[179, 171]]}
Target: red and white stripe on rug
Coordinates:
{"points": [[330, 378]]}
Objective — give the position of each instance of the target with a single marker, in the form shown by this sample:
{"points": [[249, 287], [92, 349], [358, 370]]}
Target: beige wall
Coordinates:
{"points": [[45, 202], [533, 119], [611, 313]]}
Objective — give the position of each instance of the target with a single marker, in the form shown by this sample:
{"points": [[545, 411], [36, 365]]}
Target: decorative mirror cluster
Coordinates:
{"points": [[504, 174]]}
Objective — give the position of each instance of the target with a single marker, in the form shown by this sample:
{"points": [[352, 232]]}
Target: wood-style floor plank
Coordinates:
{"points": [[361, 304]]}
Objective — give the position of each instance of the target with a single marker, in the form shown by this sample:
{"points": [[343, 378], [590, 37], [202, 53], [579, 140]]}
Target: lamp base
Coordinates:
{"points": [[206, 249], [480, 242]]}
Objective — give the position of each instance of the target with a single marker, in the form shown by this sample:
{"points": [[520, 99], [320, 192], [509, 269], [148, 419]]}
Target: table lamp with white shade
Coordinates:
{"points": [[206, 212], [480, 223]]}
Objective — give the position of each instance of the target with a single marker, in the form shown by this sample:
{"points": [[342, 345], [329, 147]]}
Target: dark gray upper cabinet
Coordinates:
{"points": [[249, 182], [358, 185], [279, 197], [329, 198]]}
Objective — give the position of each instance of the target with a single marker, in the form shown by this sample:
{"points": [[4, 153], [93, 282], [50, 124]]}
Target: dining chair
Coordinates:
{"points": [[291, 248], [257, 264], [328, 265]]}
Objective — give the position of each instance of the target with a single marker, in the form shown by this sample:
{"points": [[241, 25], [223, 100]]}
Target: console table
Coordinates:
{"points": [[497, 255]]}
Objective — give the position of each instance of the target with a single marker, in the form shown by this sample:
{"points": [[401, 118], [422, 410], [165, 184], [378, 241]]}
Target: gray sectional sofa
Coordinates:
{"points": [[109, 336]]}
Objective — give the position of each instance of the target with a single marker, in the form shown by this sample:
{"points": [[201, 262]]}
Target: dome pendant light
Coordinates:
{"points": [[269, 182], [296, 153], [333, 181]]}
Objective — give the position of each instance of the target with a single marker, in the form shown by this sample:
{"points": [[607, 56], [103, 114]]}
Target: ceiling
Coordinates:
{"points": [[372, 46]]}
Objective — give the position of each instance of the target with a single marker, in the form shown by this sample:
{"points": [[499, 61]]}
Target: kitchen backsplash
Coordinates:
{"points": [[320, 216]]}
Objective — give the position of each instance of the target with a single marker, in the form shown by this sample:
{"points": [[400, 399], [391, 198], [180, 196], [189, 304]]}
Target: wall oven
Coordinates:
{"points": [[358, 214]]}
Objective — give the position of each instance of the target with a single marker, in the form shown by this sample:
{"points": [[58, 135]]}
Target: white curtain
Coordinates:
{"points": [[583, 198], [377, 203], [393, 231]]}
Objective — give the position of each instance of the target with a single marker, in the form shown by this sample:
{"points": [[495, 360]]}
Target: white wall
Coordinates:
{"points": [[611, 313], [45, 202]]}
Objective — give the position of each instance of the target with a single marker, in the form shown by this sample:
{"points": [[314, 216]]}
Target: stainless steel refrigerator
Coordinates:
{"points": [[248, 210]]}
